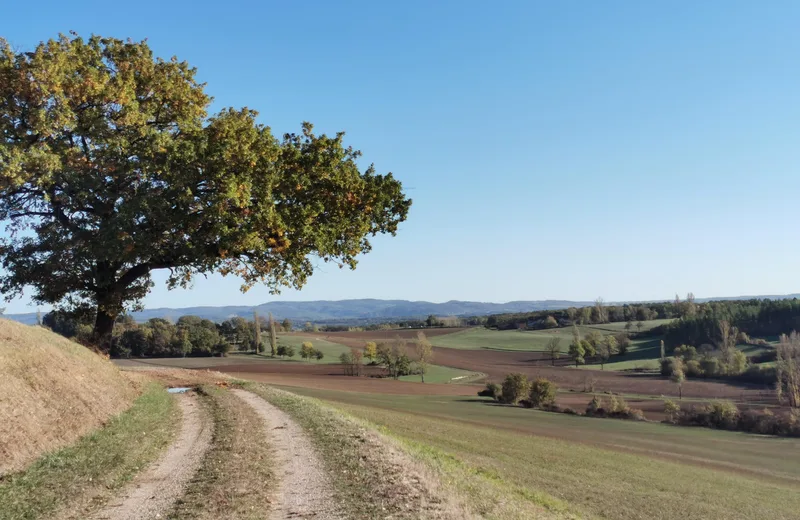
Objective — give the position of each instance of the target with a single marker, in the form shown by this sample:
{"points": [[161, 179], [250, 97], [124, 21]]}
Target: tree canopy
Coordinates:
{"points": [[111, 168]]}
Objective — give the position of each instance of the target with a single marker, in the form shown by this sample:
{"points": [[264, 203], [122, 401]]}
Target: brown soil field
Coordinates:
{"points": [[496, 364]]}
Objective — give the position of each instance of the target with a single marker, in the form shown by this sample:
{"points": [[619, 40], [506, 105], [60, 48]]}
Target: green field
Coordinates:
{"points": [[603, 467], [331, 350], [440, 374], [535, 340]]}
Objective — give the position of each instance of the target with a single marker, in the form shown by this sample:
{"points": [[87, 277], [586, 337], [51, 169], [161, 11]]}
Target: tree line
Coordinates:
{"points": [[188, 336]]}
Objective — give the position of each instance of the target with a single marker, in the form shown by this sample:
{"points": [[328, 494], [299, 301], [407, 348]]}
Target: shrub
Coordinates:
{"points": [[595, 407], [569, 411], [685, 352], [515, 387], [723, 415], [693, 368], [710, 367], [623, 343], [492, 390], [221, 348], [635, 414], [618, 406], [307, 350], [318, 355], [764, 357], [738, 364], [672, 410], [543, 393], [669, 365]]}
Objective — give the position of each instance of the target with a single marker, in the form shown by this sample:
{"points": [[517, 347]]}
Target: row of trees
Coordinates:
{"points": [[755, 317], [393, 356], [592, 346], [600, 312], [188, 336]]}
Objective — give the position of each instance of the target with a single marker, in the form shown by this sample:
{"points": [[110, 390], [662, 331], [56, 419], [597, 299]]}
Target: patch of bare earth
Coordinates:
{"points": [[304, 490], [153, 492]]}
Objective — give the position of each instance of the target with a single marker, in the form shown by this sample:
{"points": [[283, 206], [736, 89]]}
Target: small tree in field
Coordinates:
{"points": [[307, 350], [554, 349], [543, 393], [515, 387], [393, 357], [605, 349], [257, 336], [424, 351], [576, 352], [318, 355], [550, 323], [639, 325], [678, 377], [371, 351], [671, 410], [273, 336], [623, 344], [289, 352]]}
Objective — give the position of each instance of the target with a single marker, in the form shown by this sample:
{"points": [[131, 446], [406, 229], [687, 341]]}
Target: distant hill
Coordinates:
{"points": [[368, 310]]}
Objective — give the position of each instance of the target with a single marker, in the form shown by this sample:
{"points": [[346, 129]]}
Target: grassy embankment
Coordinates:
{"points": [[601, 467], [73, 478], [53, 392]]}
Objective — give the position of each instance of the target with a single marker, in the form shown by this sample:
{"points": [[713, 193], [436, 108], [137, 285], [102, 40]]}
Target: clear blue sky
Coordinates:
{"points": [[629, 150]]}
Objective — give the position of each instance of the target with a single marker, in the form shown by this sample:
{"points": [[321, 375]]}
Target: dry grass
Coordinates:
{"points": [[53, 392], [235, 480], [68, 483], [373, 476]]}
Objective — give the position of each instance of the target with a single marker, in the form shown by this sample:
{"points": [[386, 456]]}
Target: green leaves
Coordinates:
{"points": [[110, 168]]}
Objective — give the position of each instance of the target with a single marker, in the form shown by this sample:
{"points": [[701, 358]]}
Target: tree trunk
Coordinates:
{"points": [[103, 330]]}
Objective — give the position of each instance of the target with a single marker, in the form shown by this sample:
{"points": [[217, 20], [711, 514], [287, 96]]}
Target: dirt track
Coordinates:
{"points": [[305, 490], [153, 492]]}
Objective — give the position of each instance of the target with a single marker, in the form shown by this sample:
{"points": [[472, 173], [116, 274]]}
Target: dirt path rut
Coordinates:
{"points": [[305, 491], [153, 492]]}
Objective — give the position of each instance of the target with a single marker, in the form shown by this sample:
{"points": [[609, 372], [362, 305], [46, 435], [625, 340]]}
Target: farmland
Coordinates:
{"points": [[534, 341], [721, 474]]}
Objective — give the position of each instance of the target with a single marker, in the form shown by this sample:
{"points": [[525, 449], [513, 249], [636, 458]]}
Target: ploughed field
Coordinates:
{"points": [[497, 353]]}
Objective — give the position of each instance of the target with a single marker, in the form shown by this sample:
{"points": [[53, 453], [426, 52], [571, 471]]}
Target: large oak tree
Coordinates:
{"points": [[112, 168]]}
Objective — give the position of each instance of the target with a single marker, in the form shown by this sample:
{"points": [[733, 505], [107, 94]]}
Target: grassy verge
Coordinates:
{"points": [[600, 482], [372, 473], [234, 479], [72, 478]]}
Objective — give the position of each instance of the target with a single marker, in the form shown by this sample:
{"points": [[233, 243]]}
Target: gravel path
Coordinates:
{"points": [[152, 492], [304, 490]]}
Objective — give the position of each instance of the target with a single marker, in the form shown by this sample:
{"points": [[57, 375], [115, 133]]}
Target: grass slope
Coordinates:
{"points": [[72, 478], [628, 478], [373, 477], [54, 391]]}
